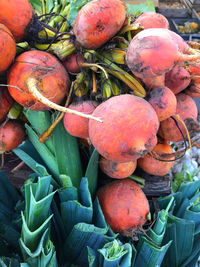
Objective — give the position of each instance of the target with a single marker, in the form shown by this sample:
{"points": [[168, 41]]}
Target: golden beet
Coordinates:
{"points": [[124, 205], [154, 166], [128, 131], [117, 170]]}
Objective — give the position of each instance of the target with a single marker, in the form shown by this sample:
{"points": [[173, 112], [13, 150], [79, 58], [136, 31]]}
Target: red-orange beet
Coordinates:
{"points": [[124, 205], [128, 130], [187, 110], [152, 20], [153, 52], [6, 102], [7, 48], [193, 90], [154, 166], [177, 79], [98, 21], [163, 100], [117, 170], [73, 63], [12, 134], [76, 125], [52, 79], [16, 15]]}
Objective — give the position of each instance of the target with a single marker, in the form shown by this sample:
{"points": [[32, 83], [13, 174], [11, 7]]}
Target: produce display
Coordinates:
{"points": [[92, 94]]}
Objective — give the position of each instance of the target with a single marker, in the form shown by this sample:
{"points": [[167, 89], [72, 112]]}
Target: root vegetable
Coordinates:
{"points": [[73, 63], [117, 170], [187, 110], [177, 79], [152, 20], [12, 134], [76, 125], [17, 15], [7, 48], [163, 101], [52, 79], [128, 130], [155, 166], [193, 90], [6, 102], [124, 206], [98, 21], [153, 52]]}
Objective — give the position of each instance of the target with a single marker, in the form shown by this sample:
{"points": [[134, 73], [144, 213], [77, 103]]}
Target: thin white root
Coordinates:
{"points": [[32, 87]]}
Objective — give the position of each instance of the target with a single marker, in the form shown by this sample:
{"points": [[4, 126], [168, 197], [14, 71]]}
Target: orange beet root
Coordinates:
{"points": [[76, 125], [117, 170], [12, 134], [128, 131], [16, 15], [6, 102], [124, 205], [163, 101], [187, 110], [51, 77], [7, 48], [177, 79], [98, 21], [155, 166], [73, 63], [152, 20]]}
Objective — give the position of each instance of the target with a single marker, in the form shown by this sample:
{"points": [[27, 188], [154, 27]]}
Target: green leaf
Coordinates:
{"points": [[40, 121], [83, 236], [44, 152], [137, 9], [148, 254], [182, 233], [30, 240], [73, 212], [99, 219], [112, 254], [9, 262], [8, 193], [75, 6], [193, 216], [92, 172], [194, 256], [38, 210], [67, 154]]}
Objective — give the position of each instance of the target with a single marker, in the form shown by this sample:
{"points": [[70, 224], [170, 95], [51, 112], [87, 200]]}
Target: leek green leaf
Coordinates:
{"points": [[40, 121], [44, 152], [92, 172], [67, 154], [149, 254]]}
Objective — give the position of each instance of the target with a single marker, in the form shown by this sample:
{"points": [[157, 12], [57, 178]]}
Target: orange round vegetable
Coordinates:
{"points": [[17, 16], [164, 102], [152, 20], [73, 63], [76, 125], [7, 48], [124, 205], [98, 21], [129, 128], [6, 102], [193, 90], [177, 79], [52, 80], [187, 110], [117, 170], [154, 166], [12, 134]]}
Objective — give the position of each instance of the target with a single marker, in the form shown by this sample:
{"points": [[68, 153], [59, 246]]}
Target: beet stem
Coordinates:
{"points": [[32, 87]]}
